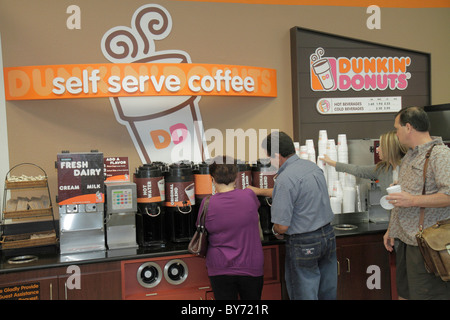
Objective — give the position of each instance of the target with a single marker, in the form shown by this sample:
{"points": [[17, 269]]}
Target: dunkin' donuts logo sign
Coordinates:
{"points": [[358, 73]]}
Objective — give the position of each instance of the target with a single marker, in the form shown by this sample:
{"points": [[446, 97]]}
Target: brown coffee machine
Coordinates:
{"points": [[203, 187], [151, 216], [263, 174], [244, 175], [180, 202]]}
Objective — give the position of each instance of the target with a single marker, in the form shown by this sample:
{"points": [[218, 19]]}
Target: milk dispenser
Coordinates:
{"points": [[120, 215], [81, 201], [263, 174]]}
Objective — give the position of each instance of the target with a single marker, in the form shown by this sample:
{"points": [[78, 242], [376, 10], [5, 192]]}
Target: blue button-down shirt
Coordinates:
{"points": [[300, 197]]}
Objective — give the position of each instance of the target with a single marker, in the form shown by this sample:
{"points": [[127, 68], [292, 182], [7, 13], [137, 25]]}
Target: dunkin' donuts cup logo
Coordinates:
{"points": [[163, 128], [323, 71]]}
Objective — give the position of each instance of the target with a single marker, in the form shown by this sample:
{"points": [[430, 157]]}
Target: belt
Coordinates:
{"points": [[306, 233]]}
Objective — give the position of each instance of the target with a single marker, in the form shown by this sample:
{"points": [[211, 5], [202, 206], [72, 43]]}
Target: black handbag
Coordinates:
{"points": [[199, 242]]}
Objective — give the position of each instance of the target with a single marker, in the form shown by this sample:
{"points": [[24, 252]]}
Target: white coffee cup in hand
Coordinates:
{"points": [[392, 189]]}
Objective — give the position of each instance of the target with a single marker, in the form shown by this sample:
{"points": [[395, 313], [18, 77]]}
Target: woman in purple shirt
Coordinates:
{"points": [[234, 259]]}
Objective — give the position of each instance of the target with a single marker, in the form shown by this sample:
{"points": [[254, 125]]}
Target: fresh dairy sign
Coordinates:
{"points": [[153, 93]]}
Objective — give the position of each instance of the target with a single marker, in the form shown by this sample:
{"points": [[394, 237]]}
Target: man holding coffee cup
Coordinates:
{"points": [[413, 281]]}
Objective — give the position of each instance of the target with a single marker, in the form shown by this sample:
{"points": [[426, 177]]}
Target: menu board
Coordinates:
{"points": [[352, 86], [116, 169]]}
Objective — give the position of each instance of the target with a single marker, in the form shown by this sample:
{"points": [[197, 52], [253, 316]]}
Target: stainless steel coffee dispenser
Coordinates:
{"points": [[120, 215], [363, 152]]}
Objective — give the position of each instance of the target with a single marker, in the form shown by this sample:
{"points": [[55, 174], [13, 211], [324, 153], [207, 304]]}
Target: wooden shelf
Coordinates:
{"points": [[31, 211], [25, 184], [27, 214], [29, 240]]}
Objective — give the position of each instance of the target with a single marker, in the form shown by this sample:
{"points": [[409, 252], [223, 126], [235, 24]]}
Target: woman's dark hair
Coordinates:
{"points": [[416, 117], [278, 142], [223, 169]]}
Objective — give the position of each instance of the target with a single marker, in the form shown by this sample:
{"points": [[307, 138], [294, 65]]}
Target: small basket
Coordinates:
{"points": [[24, 214], [26, 240]]}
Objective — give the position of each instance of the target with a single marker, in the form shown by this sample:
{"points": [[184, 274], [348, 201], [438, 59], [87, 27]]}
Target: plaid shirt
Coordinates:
{"points": [[404, 222]]}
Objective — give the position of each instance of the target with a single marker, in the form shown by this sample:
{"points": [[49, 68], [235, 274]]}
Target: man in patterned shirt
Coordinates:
{"points": [[413, 281]]}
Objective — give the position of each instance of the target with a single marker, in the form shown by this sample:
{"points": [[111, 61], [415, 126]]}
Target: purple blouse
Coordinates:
{"points": [[234, 246]]}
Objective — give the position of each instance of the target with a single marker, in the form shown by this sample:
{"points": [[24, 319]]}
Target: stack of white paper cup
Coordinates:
{"points": [[304, 152], [297, 148], [342, 139], [321, 165], [335, 189], [342, 148], [331, 149], [321, 150], [323, 141], [342, 154], [335, 205], [347, 179], [331, 171], [349, 199], [311, 150]]}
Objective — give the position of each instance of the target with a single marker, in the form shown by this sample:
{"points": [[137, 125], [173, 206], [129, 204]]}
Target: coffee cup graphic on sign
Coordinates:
{"points": [[322, 69], [159, 126]]}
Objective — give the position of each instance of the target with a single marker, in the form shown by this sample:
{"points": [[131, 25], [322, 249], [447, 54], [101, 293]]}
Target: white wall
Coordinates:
{"points": [[4, 154]]}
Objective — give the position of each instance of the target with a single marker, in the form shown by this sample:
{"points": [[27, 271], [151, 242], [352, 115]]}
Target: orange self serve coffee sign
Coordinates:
{"points": [[137, 79]]}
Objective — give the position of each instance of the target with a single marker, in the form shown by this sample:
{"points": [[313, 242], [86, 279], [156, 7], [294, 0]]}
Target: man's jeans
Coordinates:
{"points": [[311, 265]]}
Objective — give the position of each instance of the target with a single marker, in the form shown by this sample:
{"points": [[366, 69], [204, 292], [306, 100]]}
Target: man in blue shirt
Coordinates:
{"points": [[301, 212]]}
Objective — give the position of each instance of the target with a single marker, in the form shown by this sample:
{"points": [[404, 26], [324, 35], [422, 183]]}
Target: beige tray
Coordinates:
{"points": [[36, 213], [25, 240], [26, 184]]}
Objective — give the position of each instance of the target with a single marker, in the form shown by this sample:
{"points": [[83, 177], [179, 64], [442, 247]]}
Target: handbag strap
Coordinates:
{"points": [[205, 209], [422, 210]]}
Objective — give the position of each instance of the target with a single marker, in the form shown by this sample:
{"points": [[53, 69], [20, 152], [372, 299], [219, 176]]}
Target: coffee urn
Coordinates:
{"points": [[180, 202], [203, 186], [150, 216], [263, 174], [244, 175]]}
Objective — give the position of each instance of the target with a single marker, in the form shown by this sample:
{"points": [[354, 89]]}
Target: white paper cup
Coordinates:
{"points": [[310, 144], [304, 152], [349, 200], [394, 189], [342, 139], [385, 202], [336, 205]]}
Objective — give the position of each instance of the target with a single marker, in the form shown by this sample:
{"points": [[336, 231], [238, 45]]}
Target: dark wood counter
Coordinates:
{"points": [[359, 220]]}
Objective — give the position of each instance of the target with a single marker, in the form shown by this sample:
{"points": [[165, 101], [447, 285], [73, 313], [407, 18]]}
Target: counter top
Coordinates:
{"points": [[62, 260], [359, 220]]}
